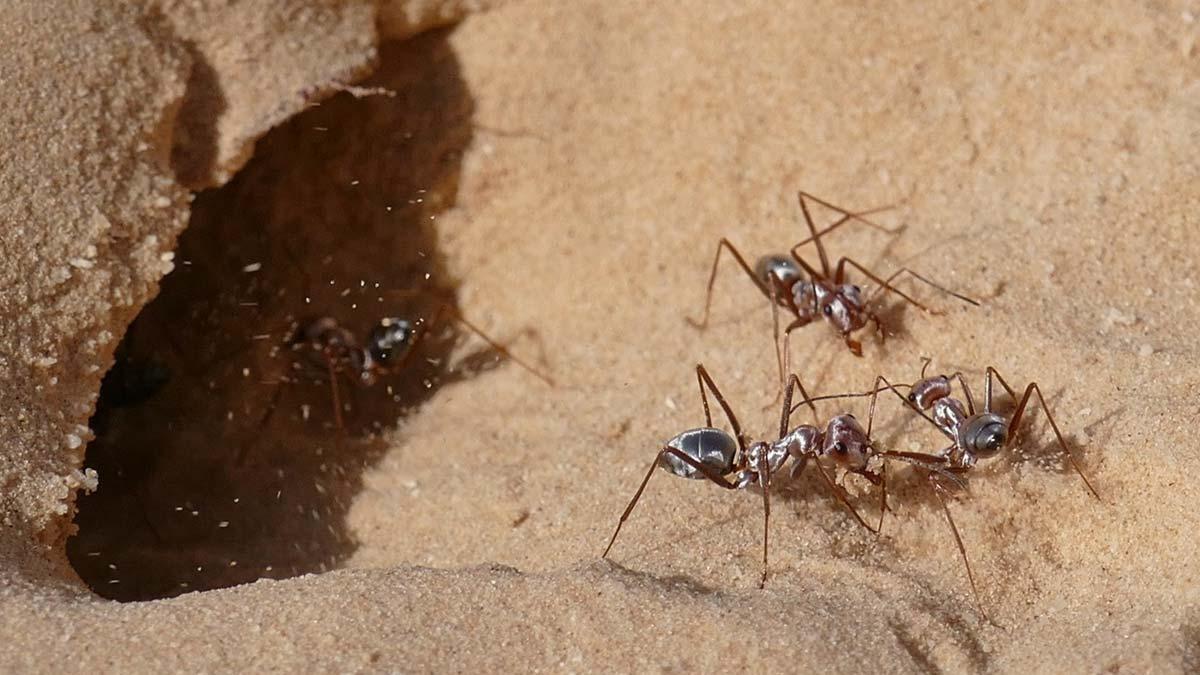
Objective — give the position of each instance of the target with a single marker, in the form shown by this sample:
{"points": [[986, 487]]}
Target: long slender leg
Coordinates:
{"points": [[938, 492], [780, 359], [445, 310], [962, 382], [912, 406], [872, 392], [703, 378], [947, 291], [803, 198], [883, 503], [839, 494], [882, 478], [787, 340], [272, 405], [764, 481], [858, 216], [1015, 421], [798, 467], [335, 394], [841, 275], [724, 244], [794, 383], [704, 470], [930, 463]]}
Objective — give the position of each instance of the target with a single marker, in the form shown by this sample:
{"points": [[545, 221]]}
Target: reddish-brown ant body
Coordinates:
{"points": [[809, 292], [973, 434]]}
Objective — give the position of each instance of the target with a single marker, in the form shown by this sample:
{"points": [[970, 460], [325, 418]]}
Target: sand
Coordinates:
{"points": [[580, 164]]}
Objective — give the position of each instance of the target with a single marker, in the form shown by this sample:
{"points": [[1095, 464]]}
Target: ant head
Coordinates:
{"points": [[847, 443], [924, 393], [390, 339], [844, 308], [984, 435], [779, 268]]}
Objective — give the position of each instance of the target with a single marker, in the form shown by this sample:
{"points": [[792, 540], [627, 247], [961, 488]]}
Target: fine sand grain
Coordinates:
{"points": [[586, 157]]}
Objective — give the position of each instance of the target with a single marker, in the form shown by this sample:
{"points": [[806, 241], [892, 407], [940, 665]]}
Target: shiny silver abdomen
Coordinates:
{"points": [[711, 447]]}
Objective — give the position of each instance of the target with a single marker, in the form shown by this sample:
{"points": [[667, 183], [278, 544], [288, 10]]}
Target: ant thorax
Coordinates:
{"points": [[949, 414], [801, 441], [774, 454]]}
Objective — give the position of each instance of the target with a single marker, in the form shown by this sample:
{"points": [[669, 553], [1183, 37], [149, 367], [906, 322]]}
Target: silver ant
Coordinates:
{"points": [[712, 454], [973, 435], [810, 293], [389, 345]]}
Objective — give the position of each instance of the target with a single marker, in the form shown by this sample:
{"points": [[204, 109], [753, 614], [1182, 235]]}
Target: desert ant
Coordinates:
{"points": [[389, 346], [973, 435], [712, 454], [808, 292]]}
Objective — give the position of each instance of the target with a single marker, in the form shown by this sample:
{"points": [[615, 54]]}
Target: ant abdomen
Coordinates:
{"points": [[711, 447], [779, 268]]}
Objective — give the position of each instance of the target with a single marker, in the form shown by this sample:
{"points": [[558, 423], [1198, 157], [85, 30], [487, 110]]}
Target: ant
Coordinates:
{"points": [[389, 345], [973, 435], [712, 454], [809, 293]]}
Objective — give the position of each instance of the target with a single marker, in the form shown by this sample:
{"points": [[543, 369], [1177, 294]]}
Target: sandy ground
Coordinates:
{"points": [[578, 167]]}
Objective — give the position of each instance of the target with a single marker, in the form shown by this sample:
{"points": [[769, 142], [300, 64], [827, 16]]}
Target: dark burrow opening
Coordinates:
{"points": [[218, 449]]}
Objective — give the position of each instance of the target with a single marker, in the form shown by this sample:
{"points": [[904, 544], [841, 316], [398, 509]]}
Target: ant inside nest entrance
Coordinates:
{"points": [[225, 449]]}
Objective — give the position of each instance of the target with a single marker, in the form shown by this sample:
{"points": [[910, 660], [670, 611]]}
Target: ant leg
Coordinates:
{"points": [[883, 503], [947, 291], [764, 481], [939, 492], [858, 216], [841, 496], [704, 470], [815, 236], [930, 463], [335, 395], [780, 359], [883, 285], [966, 388], [925, 361], [454, 314], [272, 405], [854, 345], [798, 467], [702, 379], [446, 310], [794, 383], [1015, 421], [724, 244], [802, 197]]}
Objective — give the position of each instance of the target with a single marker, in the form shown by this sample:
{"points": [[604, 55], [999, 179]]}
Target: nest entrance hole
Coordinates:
{"points": [[219, 457]]}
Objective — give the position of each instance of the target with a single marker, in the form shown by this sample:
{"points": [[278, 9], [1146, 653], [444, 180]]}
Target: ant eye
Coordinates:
{"points": [[912, 396], [827, 310], [839, 448]]}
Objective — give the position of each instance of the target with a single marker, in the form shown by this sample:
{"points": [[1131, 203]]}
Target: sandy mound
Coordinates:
{"points": [[569, 171]]}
